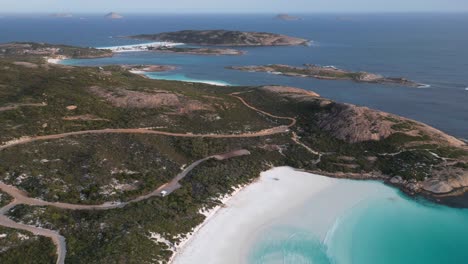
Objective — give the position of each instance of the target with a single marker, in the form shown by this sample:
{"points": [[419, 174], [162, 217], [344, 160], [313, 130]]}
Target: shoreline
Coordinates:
{"points": [[140, 47], [209, 214], [260, 197], [255, 215]]}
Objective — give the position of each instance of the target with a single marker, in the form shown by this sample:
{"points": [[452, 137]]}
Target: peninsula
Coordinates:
{"points": [[33, 50], [224, 38], [98, 160], [327, 73]]}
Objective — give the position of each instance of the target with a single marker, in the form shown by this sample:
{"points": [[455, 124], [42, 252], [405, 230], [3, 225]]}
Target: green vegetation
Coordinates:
{"points": [[24, 247], [58, 87], [43, 99], [32, 49], [4, 199], [123, 235]]}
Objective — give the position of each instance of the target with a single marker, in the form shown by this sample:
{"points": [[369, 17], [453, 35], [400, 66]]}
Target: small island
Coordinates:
{"points": [[197, 51], [327, 73], [286, 17], [113, 15], [224, 38], [61, 15]]}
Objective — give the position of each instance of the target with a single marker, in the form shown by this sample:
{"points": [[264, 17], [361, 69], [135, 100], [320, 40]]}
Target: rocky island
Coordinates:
{"points": [[62, 15], [197, 51], [91, 157], [286, 17], [327, 73], [113, 15], [224, 38]]}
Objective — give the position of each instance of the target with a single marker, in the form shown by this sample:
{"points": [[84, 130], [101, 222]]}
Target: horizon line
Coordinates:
{"points": [[238, 12]]}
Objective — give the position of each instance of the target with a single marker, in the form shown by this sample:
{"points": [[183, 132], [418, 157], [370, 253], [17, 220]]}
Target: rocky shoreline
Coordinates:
{"points": [[457, 198], [148, 68], [327, 73]]}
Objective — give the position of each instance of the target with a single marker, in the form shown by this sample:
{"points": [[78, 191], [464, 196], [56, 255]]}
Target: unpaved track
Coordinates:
{"points": [[58, 240], [261, 133], [21, 197]]}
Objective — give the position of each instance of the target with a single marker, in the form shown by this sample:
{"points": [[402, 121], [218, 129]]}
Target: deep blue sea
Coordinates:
{"points": [[428, 48]]}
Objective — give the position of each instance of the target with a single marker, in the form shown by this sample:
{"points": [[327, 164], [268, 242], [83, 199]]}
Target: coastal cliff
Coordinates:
{"points": [[224, 38]]}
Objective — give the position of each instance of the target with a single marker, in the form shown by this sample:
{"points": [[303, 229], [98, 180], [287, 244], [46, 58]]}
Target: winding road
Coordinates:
{"points": [[21, 197]]}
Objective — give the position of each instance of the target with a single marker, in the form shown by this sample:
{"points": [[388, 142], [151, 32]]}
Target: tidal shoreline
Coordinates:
{"points": [[247, 211], [256, 220]]}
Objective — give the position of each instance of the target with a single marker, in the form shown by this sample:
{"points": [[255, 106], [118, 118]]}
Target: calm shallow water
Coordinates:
{"points": [[428, 48], [383, 227]]}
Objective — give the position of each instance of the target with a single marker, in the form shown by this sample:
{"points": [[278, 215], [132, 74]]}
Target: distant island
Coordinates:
{"points": [[327, 73], [61, 15], [113, 15], [287, 17], [196, 51], [224, 38]]}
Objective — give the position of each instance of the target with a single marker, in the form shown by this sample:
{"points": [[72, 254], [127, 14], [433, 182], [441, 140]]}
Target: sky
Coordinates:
{"points": [[231, 6]]}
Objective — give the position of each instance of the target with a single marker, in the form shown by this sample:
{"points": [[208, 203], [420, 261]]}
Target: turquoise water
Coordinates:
{"points": [[384, 229]]}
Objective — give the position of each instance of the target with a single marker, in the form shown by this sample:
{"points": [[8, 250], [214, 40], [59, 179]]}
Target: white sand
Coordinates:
{"points": [[222, 238], [54, 61], [141, 47], [226, 236]]}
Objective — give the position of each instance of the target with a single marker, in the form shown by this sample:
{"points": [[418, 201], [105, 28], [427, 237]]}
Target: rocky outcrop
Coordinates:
{"points": [[353, 124], [224, 38], [446, 181], [154, 99], [291, 92]]}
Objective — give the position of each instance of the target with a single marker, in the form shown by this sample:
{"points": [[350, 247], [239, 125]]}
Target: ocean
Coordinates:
{"points": [[427, 48]]}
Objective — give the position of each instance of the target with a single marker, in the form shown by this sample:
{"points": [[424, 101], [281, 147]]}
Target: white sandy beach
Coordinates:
{"points": [[140, 47], [225, 237], [56, 60]]}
